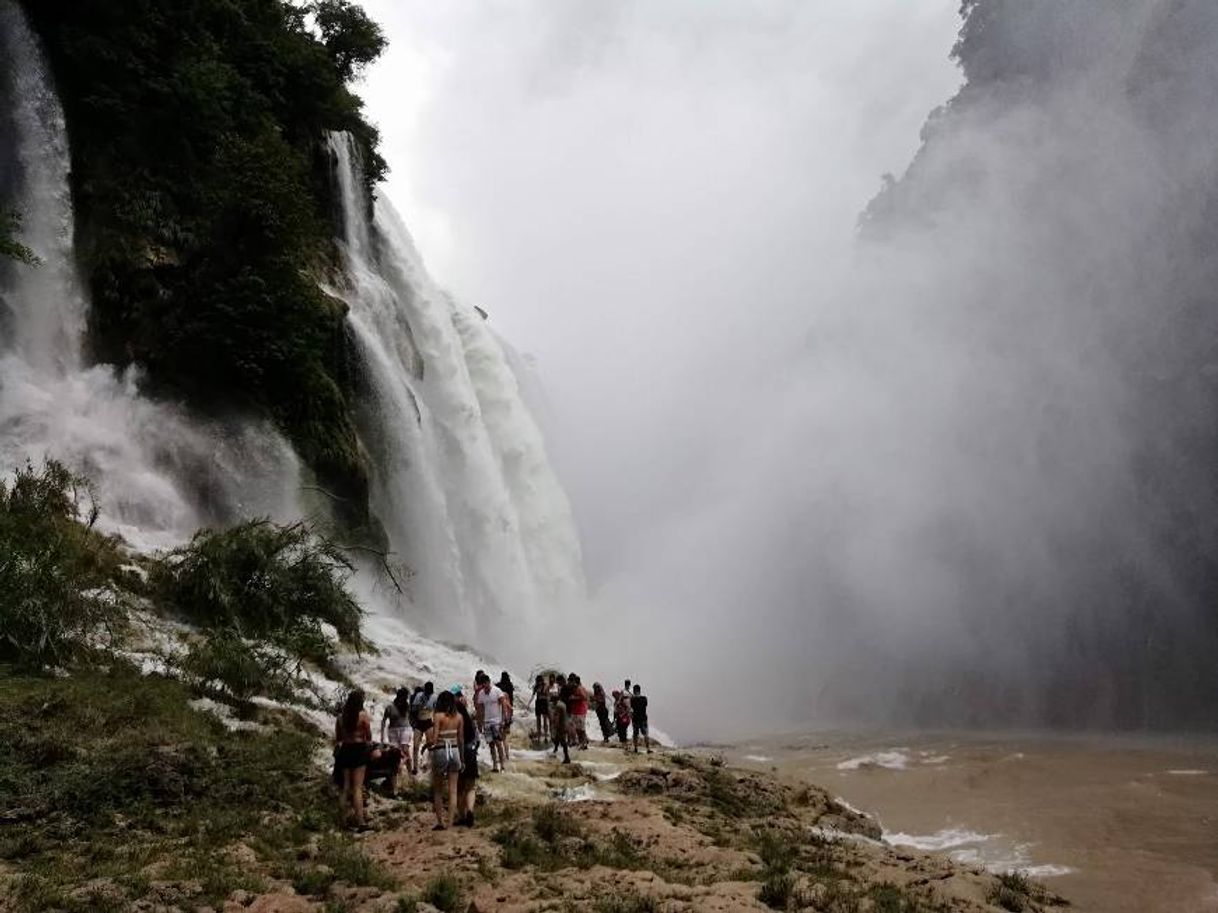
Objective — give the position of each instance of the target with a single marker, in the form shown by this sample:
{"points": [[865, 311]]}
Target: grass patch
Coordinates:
{"points": [[1011, 891], [628, 902], [444, 893], [106, 772], [551, 840], [777, 891]]}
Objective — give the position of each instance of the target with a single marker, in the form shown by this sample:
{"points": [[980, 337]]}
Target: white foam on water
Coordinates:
{"points": [[1188, 773], [985, 851], [948, 838], [896, 759], [758, 758]]}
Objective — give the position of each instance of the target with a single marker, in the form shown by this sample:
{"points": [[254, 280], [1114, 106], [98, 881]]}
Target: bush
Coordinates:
{"points": [[264, 581], [225, 661], [56, 573], [444, 893], [776, 891]]}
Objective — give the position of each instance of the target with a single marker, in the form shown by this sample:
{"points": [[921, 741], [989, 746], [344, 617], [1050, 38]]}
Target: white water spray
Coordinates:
{"points": [[160, 472], [460, 476]]}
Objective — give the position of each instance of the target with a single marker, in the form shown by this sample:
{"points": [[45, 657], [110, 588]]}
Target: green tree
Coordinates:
{"points": [[350, 36]]}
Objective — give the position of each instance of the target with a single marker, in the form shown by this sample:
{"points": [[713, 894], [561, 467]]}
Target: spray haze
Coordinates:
{"points": [[954, 468]]}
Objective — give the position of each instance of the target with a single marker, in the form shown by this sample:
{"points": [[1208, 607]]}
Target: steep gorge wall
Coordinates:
{"points": [[205, 205]]}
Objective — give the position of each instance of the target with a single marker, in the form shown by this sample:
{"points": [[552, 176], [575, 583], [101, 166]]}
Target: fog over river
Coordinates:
{"points": [[952, 466]]}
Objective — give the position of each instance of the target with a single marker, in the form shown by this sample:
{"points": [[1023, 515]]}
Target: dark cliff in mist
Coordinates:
{"points": [[1068, 195]]}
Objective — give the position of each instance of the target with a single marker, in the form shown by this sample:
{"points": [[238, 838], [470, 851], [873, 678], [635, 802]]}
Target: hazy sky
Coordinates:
{"points": [[629, 187], [651, 198]]}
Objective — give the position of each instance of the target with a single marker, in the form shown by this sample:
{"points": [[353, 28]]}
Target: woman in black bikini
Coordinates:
{"points": [[352, 752]]}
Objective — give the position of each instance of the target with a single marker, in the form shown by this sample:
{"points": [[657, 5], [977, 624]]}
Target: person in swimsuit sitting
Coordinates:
{"points": [[446, 747], [352, 753]]}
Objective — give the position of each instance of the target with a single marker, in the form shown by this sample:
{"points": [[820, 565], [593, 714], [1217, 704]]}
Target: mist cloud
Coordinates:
{"points": [[949, 474]]}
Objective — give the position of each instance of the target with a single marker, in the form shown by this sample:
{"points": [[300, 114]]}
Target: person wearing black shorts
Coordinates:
{"points": [[541, 707]]}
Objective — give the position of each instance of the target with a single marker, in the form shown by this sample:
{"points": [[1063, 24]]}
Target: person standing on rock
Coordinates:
{"points": [[638, 716], [509, 690], [558, 728], [491, 706], [621, 715], [397, 718], [467, 782], [601, 703], [352, 754], [578, 708], [446, 745], [540, 698], [422, 705]]}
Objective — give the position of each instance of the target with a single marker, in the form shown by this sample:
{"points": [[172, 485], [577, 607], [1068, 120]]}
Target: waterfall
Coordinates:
{"points": [[460, 477], [160, 472]]}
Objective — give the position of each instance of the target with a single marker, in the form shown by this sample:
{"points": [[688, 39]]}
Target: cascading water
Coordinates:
{"points": [[461, 481], [160, 472]]}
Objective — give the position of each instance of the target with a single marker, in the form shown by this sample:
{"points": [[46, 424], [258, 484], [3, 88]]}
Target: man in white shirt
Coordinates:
{"points": [[491, 708]]}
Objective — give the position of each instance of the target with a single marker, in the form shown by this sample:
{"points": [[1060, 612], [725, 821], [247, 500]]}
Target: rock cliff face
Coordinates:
{"points": [[204, 202]]}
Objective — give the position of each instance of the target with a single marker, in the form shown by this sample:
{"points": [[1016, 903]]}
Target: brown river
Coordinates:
{"points": [[1116, 824]]}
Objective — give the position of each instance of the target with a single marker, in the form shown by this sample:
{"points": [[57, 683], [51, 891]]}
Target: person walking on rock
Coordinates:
{"points": [[491, 706]]}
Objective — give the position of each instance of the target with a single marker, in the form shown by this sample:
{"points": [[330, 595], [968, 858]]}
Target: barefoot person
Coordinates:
{"points": [[558, 728], [352, 753], [509, 690], [638, 716], [601, 703], [621, 715], [491, 706], [467, 782], [422, 705], [577, 706], [446, 746], [397, 718], [540, 699]]}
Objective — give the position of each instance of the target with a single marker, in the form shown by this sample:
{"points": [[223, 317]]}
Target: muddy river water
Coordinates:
{"points": [[1116, 824]]}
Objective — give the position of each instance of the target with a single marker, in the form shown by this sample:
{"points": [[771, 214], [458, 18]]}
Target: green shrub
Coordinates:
{"points": [[776, 891], [444, 893], [224, 661], [1011, 891], [56, 573], [265, 581], [552, 823], [629, 902]]}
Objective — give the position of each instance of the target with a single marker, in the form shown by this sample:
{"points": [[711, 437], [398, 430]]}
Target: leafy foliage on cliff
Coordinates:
{"points": [[203, 196], [10, 247], [55, 571]]}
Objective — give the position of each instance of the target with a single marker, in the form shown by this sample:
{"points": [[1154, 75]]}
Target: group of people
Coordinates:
{"points": [[561, 705], [439, 730]]}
